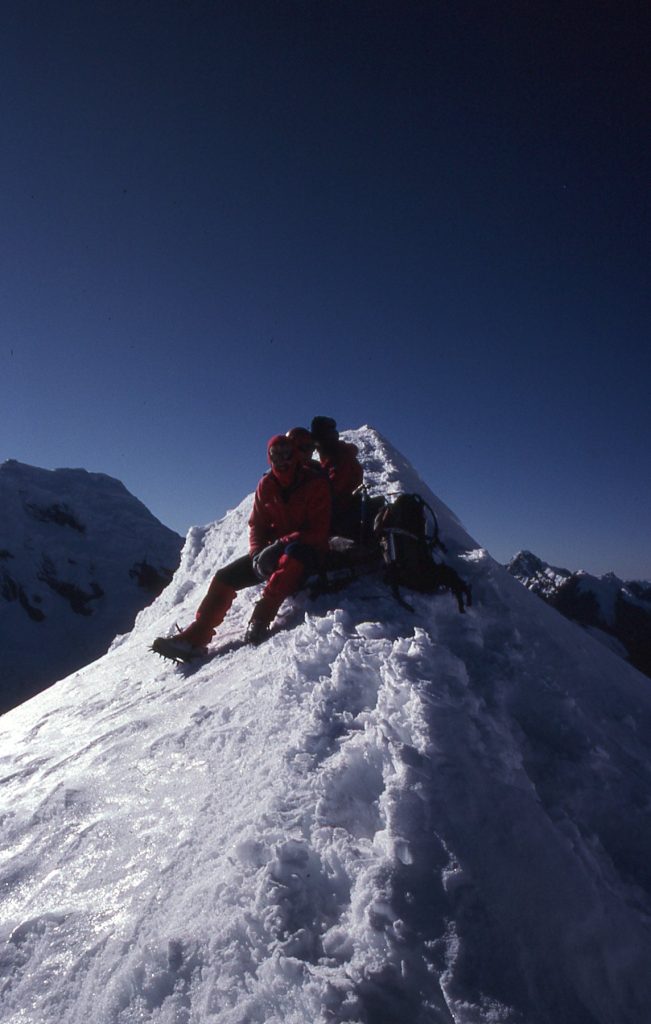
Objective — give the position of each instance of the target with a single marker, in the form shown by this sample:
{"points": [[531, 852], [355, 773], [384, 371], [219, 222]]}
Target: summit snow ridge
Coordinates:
{"points": [[377, 817]]}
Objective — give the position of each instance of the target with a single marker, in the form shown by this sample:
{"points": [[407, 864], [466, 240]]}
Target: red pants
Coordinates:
{"points": [[237, 576]]}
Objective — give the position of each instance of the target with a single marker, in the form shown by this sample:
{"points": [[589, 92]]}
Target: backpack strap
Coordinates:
{"points": [[435, 540], [401, 601]]}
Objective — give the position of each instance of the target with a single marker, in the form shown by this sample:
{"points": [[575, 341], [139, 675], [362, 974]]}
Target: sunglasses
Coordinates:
{"points": [[281, 456]]}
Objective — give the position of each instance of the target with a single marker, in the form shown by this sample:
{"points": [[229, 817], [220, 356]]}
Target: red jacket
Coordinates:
{"points": [[344, 472], [300, 512]]}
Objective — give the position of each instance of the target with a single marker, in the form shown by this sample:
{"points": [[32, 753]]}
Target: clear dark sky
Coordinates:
{"points": [[220, 219]]}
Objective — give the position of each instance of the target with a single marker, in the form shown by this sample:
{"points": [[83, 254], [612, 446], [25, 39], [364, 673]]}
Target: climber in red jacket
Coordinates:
{"points": [[288, 533], [339, 460]]}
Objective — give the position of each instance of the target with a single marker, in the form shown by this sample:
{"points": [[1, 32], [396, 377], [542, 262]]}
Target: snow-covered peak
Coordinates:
{"points": [[388, 472], [376, 816], [96, 497], [606, 589], [615, 612], [79, 557], [537, 575]]}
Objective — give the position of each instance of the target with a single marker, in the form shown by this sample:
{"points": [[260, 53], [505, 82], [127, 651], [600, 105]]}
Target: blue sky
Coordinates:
{"points": [[220, 219]]}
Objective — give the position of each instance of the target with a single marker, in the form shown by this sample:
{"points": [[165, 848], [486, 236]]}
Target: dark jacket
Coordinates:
{"points": [[344, 472]]}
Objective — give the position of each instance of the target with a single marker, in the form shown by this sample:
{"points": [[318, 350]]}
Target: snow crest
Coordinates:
{"points": [[378, 816]]}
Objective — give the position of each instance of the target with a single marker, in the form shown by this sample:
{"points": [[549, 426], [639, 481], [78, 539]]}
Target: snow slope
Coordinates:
{"points": [[79, 558], [377, 816]]}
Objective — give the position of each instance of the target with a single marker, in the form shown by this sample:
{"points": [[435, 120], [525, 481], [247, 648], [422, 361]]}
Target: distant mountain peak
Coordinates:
{"points": [[79, 557], [617, 613]]}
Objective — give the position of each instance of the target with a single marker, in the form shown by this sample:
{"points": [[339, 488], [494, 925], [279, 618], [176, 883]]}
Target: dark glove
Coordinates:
{"points": [[266, 561]]}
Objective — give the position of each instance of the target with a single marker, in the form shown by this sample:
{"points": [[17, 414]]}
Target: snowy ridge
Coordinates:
{"points": [[375, 817]]}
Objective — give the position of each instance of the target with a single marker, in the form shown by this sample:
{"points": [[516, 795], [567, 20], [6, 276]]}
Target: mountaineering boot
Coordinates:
{"points": [[176, 648], [283, 582], [190, 643], [257, 630]]}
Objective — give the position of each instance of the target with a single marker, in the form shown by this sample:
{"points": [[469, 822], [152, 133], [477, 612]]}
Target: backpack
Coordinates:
{"points": [[408, 533]]}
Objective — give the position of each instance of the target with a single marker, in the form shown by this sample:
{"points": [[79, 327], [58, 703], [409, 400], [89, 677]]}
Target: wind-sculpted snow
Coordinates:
{"points": [[375, 817]]}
